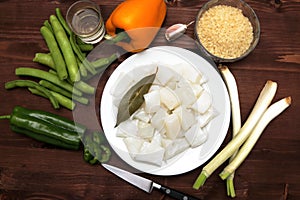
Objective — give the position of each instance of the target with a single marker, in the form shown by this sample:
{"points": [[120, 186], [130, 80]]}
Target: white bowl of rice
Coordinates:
{"points": [[227, 30]]}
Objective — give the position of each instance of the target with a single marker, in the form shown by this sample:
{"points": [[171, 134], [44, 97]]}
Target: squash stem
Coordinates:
{"points": [[117, 38]]}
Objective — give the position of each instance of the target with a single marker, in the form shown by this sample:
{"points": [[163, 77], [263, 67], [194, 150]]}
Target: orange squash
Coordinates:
{"points": [[141, 19]]}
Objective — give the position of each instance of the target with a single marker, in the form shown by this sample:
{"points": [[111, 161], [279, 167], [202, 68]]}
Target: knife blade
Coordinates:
{"points": [[146, 184]]}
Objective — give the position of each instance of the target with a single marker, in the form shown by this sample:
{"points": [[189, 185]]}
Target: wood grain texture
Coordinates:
{"points": [[32, 170]]}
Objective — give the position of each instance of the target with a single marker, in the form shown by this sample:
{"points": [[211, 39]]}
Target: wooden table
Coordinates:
{"points": [[32, 170]]}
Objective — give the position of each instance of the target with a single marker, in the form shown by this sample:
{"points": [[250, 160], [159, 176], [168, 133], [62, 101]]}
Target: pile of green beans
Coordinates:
{"points": [[64, 83]]}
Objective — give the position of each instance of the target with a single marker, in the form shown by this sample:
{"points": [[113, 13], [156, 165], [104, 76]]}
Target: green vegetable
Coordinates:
{"points": [[101, 62], [272, 112], [55, 88], [235, 116], [22, 122], [66, 49], [62, 21], [53, 119], [48, 25], [83, 71], [64, 101], [86, 47], [61, 91], [84, 87], [134, 98], [32, 84], [43, 138], [58, 59], [45, 59], [262, 103], [95, 149], [41, 74], [84, 62]]}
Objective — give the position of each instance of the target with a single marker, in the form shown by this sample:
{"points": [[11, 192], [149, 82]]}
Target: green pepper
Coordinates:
{"points": [[53, 119], [106, 153], [40, 128], [43, 138], [95, 149], [46, 127]]}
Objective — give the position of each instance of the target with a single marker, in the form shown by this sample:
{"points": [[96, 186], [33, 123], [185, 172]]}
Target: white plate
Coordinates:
{"points": [[217, 128]]}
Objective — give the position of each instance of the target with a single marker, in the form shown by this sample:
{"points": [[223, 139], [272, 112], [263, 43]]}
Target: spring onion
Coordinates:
{"points": [[266, 96], [273, 111], [235, 115]]}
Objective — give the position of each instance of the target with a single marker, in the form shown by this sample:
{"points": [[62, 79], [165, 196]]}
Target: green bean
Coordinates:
{"points": [[101, 62], [82, 69], [89, 67], [84, 87], [86, 47], [45, 59], [37, 92], [62, 21], [48, 25], [62, 100], [81, 100], [79, 41], [81, 55], [80, 85], [57, 89], [32, 84], [75, 47], [53, 78], [55, 53], [66, 49]]}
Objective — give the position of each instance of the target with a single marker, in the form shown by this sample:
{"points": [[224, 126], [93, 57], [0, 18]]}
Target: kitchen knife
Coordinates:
{"points": [[146, 184]]}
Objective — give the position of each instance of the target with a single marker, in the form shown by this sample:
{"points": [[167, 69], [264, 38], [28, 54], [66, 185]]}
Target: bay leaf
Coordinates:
{"points": [[134, 98]]}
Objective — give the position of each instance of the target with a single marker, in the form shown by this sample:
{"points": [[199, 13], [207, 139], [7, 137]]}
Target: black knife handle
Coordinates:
{"points": [[175, 194]]}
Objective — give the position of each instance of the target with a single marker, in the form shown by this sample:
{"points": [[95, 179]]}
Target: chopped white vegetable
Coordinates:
{"points": [[122, 84], [128, 128], [203, 103], [177, 146], [145, 130], [174, 114], [205, 118], [196, 136], [133, 145], [152, 101], [185, 94], [157, 121], [186, 116], [164, 75], [172, 126], [151, 152], [141, 115], [191, 74], [172, 84], [197, 89], [168, 98], [154, 87], [203, 80]]}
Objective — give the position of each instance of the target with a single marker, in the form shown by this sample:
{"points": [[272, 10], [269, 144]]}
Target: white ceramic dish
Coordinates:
{"points": [[217, 128]]}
